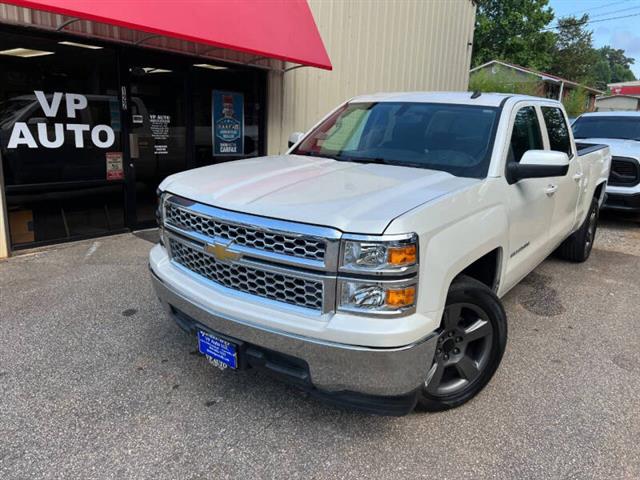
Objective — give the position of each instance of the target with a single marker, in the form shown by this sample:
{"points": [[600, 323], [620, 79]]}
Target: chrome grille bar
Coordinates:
{"points": [[277, 241]]}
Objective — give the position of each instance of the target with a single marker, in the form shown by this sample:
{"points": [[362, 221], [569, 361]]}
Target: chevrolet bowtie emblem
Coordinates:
{"points": [[222, 252]]}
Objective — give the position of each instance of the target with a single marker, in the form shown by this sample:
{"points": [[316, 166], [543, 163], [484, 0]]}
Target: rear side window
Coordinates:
{"points": [[557, 130], [525, 135]]}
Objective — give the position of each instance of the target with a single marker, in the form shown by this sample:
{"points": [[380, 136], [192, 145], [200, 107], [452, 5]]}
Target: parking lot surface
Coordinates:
{"points": [[96, 382]]}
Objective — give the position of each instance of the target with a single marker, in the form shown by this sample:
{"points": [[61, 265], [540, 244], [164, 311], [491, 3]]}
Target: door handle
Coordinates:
{"points": [[551, 189], [578, 176]]}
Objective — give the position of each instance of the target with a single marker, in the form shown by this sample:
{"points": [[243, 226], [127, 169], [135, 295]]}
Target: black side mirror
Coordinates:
{"points": [[538, 164]]}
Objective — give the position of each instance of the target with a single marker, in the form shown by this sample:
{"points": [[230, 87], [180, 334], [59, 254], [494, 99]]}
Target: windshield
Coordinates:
{"points": [[452, 138], [627, 128]]}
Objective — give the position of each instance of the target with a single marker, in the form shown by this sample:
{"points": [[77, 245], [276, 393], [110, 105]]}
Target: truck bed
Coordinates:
{"points": [[584, 148]]}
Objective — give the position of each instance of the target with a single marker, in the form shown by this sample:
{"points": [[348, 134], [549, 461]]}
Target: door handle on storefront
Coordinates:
{"points": [[578, 176], [134, 149], [551, 189]]}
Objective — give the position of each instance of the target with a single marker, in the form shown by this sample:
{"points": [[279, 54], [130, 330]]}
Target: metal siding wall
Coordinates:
{"points": [[374, 46]]}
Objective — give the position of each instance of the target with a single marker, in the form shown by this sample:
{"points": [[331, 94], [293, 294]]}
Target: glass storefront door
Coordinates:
{"points": [[158, 134]]}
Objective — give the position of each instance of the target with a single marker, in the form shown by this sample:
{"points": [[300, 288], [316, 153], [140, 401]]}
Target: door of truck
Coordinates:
{"points": [[530, 206], [567, 187]]}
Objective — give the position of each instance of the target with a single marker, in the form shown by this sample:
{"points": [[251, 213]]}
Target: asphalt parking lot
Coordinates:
{"points": [[95, 382]]}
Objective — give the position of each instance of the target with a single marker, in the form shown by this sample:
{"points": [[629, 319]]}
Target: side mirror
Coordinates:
{"points": [[294, 138], [538, 164]]}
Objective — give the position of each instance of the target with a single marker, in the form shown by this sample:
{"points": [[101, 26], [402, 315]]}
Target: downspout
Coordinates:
{"points": [[4, 218], [561, 91]]}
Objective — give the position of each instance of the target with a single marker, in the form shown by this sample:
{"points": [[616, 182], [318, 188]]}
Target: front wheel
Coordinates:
{"points": [[470, 345]]}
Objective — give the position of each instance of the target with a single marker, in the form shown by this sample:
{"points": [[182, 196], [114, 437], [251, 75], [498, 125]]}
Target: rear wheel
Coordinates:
{"points": [[578, 246], [470, 345]]}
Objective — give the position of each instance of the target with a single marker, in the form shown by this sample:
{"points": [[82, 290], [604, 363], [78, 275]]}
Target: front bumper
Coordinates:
{"points": [[623, 202], [379, 380]]}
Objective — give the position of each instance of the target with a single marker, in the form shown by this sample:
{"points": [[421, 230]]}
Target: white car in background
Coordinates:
{"points": [[621, 131]]}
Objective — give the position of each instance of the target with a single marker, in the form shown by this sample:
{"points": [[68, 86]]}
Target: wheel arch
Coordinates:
{"points": [[486, 269], [600, 192]]}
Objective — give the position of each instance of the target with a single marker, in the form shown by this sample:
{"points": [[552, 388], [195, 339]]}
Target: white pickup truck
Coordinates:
{"points": [[366, 264], [621, 132]]}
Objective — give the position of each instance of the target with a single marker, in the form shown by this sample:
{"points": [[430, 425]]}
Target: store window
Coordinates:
{"points": [[60, 139]]}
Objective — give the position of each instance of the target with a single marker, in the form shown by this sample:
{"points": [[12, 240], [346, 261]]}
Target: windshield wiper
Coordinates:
{"points": [[378, 160]]}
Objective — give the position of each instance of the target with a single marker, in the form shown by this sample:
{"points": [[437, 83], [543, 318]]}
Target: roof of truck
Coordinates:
{"points": [[484, 99], [612, 114]]}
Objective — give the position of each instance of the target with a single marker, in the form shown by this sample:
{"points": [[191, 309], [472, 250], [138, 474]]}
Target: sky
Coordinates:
{"points": [[618, 33]]}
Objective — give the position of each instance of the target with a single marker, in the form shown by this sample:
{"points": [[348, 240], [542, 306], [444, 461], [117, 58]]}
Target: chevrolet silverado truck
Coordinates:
{"points": [[621, 132], [366, 265]]}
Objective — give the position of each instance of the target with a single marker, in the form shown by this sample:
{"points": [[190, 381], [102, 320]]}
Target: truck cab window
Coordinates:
{"points": [[557, 129], [525, 135]]}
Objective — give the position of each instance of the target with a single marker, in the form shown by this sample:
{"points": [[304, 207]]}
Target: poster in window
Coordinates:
{"points": [[227, 123]]}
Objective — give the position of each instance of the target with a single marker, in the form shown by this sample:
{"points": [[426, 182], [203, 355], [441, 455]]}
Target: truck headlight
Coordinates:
{"points": [[398, 254], [361, 296]]}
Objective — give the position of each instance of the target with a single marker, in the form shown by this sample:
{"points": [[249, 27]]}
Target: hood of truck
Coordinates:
{"points": [[618, 146], [352, 197]]}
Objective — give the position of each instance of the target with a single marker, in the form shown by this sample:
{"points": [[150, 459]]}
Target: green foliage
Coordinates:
{"points": [[503, 82], [524, 32], [513, 31], [573, 54], [576, 102]]}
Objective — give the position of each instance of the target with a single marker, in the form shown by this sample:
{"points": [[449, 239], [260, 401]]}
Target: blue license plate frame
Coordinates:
{"points": [[216, 348]]}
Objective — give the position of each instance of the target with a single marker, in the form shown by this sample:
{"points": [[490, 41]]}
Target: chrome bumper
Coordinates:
{"points": [[333, 367]]}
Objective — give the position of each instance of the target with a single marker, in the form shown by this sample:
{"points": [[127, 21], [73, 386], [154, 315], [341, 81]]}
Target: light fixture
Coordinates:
{"points": [[209, 66], [156, 70], [81, 45], [25, 52]]}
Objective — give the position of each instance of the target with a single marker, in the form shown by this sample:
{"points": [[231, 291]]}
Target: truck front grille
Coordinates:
{"points": [[275, 242], [625, 172], [285, 288]]}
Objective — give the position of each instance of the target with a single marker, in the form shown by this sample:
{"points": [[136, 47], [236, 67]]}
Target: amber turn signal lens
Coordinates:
{"points": [[403, 297], [402, 255]]}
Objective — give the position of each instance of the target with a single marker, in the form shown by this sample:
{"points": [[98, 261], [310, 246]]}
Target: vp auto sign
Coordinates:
{"points": [[102, 136]]}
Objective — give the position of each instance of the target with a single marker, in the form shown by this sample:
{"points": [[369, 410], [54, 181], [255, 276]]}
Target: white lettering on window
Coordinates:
{"points": [[102, 136], [43, 136], [49, 110], [20, 135], [95, 136], [78, 129], [75, 102]]}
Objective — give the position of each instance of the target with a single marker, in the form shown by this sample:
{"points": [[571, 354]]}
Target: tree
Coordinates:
{"points": [[619, 65], [576, 102], [573, 54], [513, 31]]}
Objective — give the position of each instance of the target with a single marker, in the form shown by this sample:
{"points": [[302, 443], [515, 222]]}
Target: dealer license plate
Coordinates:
{"points": [[219, 352]]}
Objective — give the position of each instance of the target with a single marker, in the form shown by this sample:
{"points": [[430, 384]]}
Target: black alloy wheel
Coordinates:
{"points": [[469, 346], [463, 350]]}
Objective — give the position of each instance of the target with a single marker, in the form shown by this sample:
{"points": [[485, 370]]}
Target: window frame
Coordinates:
{"points": [[543, 131]]}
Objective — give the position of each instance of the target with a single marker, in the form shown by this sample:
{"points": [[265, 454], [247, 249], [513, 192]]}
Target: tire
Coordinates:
{"points": [[470, 345], [577, 247]]}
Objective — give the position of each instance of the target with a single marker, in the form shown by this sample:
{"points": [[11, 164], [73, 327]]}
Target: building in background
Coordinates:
{"points": [[546, 84], [611, 103], [625, 88], [97, 104]]}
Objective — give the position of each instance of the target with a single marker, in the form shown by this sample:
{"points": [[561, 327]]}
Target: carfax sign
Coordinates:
{"points": [[227, 122]]}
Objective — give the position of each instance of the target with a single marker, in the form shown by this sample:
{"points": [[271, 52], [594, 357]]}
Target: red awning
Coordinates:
{"points": [[280, 29]]}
